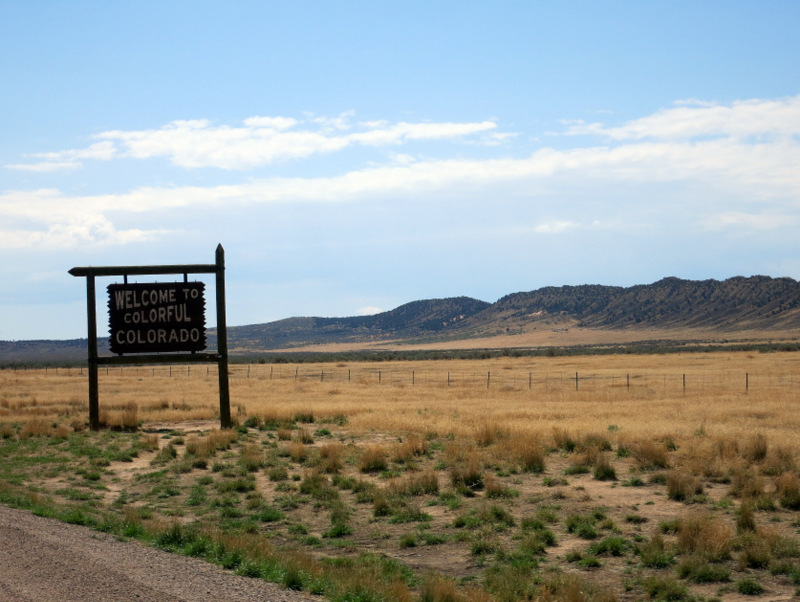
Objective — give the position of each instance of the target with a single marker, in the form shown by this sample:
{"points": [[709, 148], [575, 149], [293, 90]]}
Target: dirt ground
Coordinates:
{"points": [[45, 560]]}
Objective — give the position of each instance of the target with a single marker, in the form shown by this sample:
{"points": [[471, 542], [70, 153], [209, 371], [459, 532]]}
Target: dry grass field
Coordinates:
{"points": [[568, 478]]}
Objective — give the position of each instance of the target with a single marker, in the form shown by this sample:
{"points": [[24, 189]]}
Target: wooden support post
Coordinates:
{"points": [[222, 343], [94, 394]]}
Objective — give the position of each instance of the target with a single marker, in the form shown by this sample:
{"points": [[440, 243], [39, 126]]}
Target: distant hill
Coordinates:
{"points": [[672, 305], [412, 320], [736, 304]]}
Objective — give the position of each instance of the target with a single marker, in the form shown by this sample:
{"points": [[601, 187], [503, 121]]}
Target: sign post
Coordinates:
{"points": [[158, 322]]}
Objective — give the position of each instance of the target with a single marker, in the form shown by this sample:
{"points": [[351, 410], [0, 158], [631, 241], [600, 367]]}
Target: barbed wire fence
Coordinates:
{"points": [[510, 379]]}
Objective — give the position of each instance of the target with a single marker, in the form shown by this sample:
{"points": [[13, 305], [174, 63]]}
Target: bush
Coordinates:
{"points": [[749, 587], [374, 459], [697, 569], [788, 486], [616, 545], [665, 588], [654, 554], [582, 526], [682, 486], [603, 471], [705, 535], [651, 455]]}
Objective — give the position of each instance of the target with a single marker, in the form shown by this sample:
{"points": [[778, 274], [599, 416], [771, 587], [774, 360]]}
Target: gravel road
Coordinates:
{"points": [[43, 559]]}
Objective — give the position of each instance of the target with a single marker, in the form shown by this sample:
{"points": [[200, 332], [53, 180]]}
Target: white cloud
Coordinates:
{"points": [[275, 123], [382, 134], [555, 227], [67, 159], [368, 311], [751, 221], [78, 230], [45, 167], [266, 140], [758, 168], [693, 119]]}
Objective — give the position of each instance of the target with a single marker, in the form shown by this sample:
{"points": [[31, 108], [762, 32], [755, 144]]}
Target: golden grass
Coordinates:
{"points": [[636, 398]]}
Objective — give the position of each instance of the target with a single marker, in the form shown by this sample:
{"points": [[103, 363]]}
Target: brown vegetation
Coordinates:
{"points": [[521, 485]]}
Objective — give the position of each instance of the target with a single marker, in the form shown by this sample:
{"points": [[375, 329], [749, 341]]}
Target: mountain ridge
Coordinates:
{"points": [[672, 306], [734, 304]]}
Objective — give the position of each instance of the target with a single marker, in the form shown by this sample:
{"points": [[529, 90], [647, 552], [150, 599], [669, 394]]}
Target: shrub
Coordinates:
{"points": [[488, 433], [651, 455], [468, 473], [581, 525], [278, 473], [298, 451], [603, 471], [755, 448], [563, 440], [745, 483], [405, 451], [436, 588], [788, 486], [129, 420], [682, 486], [745, 518], [408, 540], [749, 587], [705, 535], [495, 488], [303, 436], [330, 457], [778, 461], [526, 451], [417, 484], [665, 588], [654, 554], [270, 514], [697, 569], [251, 458], [306, 416], [318, 487], [754, 552], [616, 545], [380, 503], [373, 459]]}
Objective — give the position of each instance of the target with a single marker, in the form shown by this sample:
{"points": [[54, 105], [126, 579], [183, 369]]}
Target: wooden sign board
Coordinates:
{"points": [[157, 317], [157, 321]]}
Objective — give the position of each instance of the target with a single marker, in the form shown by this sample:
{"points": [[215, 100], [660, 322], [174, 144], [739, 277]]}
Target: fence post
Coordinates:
{"points": [[488, 378], [684, 383], [746, 382], [412, 378], [530, 380], [576, 381], [448, 379]]}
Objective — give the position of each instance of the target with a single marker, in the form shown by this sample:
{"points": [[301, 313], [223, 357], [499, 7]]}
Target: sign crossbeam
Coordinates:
{"points": [[144, 270], [150, 339]]}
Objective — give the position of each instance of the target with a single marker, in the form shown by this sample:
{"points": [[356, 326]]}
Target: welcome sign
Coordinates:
{"points": [[157, 317]]}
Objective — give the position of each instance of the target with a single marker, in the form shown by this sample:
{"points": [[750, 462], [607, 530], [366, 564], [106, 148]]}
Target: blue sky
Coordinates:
{"points": [[354, 156]]}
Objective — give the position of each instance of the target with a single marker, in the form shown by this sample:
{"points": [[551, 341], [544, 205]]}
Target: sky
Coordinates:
{"points": [[351, 157]]}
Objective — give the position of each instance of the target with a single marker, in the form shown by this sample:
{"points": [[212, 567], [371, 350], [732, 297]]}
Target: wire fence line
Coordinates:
{"points": [[500, 379]]}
